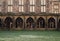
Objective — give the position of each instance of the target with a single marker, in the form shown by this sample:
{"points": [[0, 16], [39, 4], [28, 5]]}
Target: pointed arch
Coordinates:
{"points": [[51, 23], [30, 20], [40, 22], [8, 22], [30, 23], [19, 22]]}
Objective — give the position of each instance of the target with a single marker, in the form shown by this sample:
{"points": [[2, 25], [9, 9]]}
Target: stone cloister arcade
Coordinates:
{"points": [[29, 22]]}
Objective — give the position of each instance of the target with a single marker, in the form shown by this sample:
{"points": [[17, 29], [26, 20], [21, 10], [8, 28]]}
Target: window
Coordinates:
{"points": [[32, 5], [32, 8], [32, 2], [10, 2], [9, 8], [21, 2], [21, 9], [55, 9], [43, 2], [43, 9], [43, 5], [21, 5]]}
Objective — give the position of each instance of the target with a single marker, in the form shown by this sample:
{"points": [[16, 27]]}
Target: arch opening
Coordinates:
{"points": [[51, 23], [40, 23], [8, 22], [30, 23], [19, 22]]}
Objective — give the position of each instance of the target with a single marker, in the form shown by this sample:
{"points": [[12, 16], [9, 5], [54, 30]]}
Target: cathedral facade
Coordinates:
{"points": [[29, 14]]}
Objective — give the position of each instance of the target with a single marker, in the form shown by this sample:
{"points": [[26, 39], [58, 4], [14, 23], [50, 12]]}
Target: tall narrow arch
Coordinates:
{"points": [[40, 23], [19, 22], [30, 23], [51, 23], [8, 22]]}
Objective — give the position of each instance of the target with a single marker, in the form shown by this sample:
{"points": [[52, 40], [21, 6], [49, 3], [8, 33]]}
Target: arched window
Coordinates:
{"points": [[19, 22], [8, 22], [30, 23], [51, 23], [40, 23]]}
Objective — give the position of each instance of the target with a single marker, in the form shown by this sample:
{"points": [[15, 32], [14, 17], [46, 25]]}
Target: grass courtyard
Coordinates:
{"points": [[29, 35]]}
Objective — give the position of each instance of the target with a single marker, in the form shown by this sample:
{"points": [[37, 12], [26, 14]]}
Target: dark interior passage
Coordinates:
{"points": [[51, 23], [40, 23], [19, 22]]}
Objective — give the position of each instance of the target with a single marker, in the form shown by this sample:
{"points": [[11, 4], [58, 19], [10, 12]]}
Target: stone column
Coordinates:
{"points": [[56, 22], [24, 23], [14, 22], [35, 22], [46, 23]]}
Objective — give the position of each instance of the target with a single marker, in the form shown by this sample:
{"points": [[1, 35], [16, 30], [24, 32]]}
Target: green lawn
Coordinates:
{"points": [[29, 35]]}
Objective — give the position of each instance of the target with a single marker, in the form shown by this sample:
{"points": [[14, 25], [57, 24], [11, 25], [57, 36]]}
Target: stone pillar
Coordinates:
{"points": [[46, 23], [3, 23], [35, 22], [14, 23], [24, 23], [56, 21]]}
